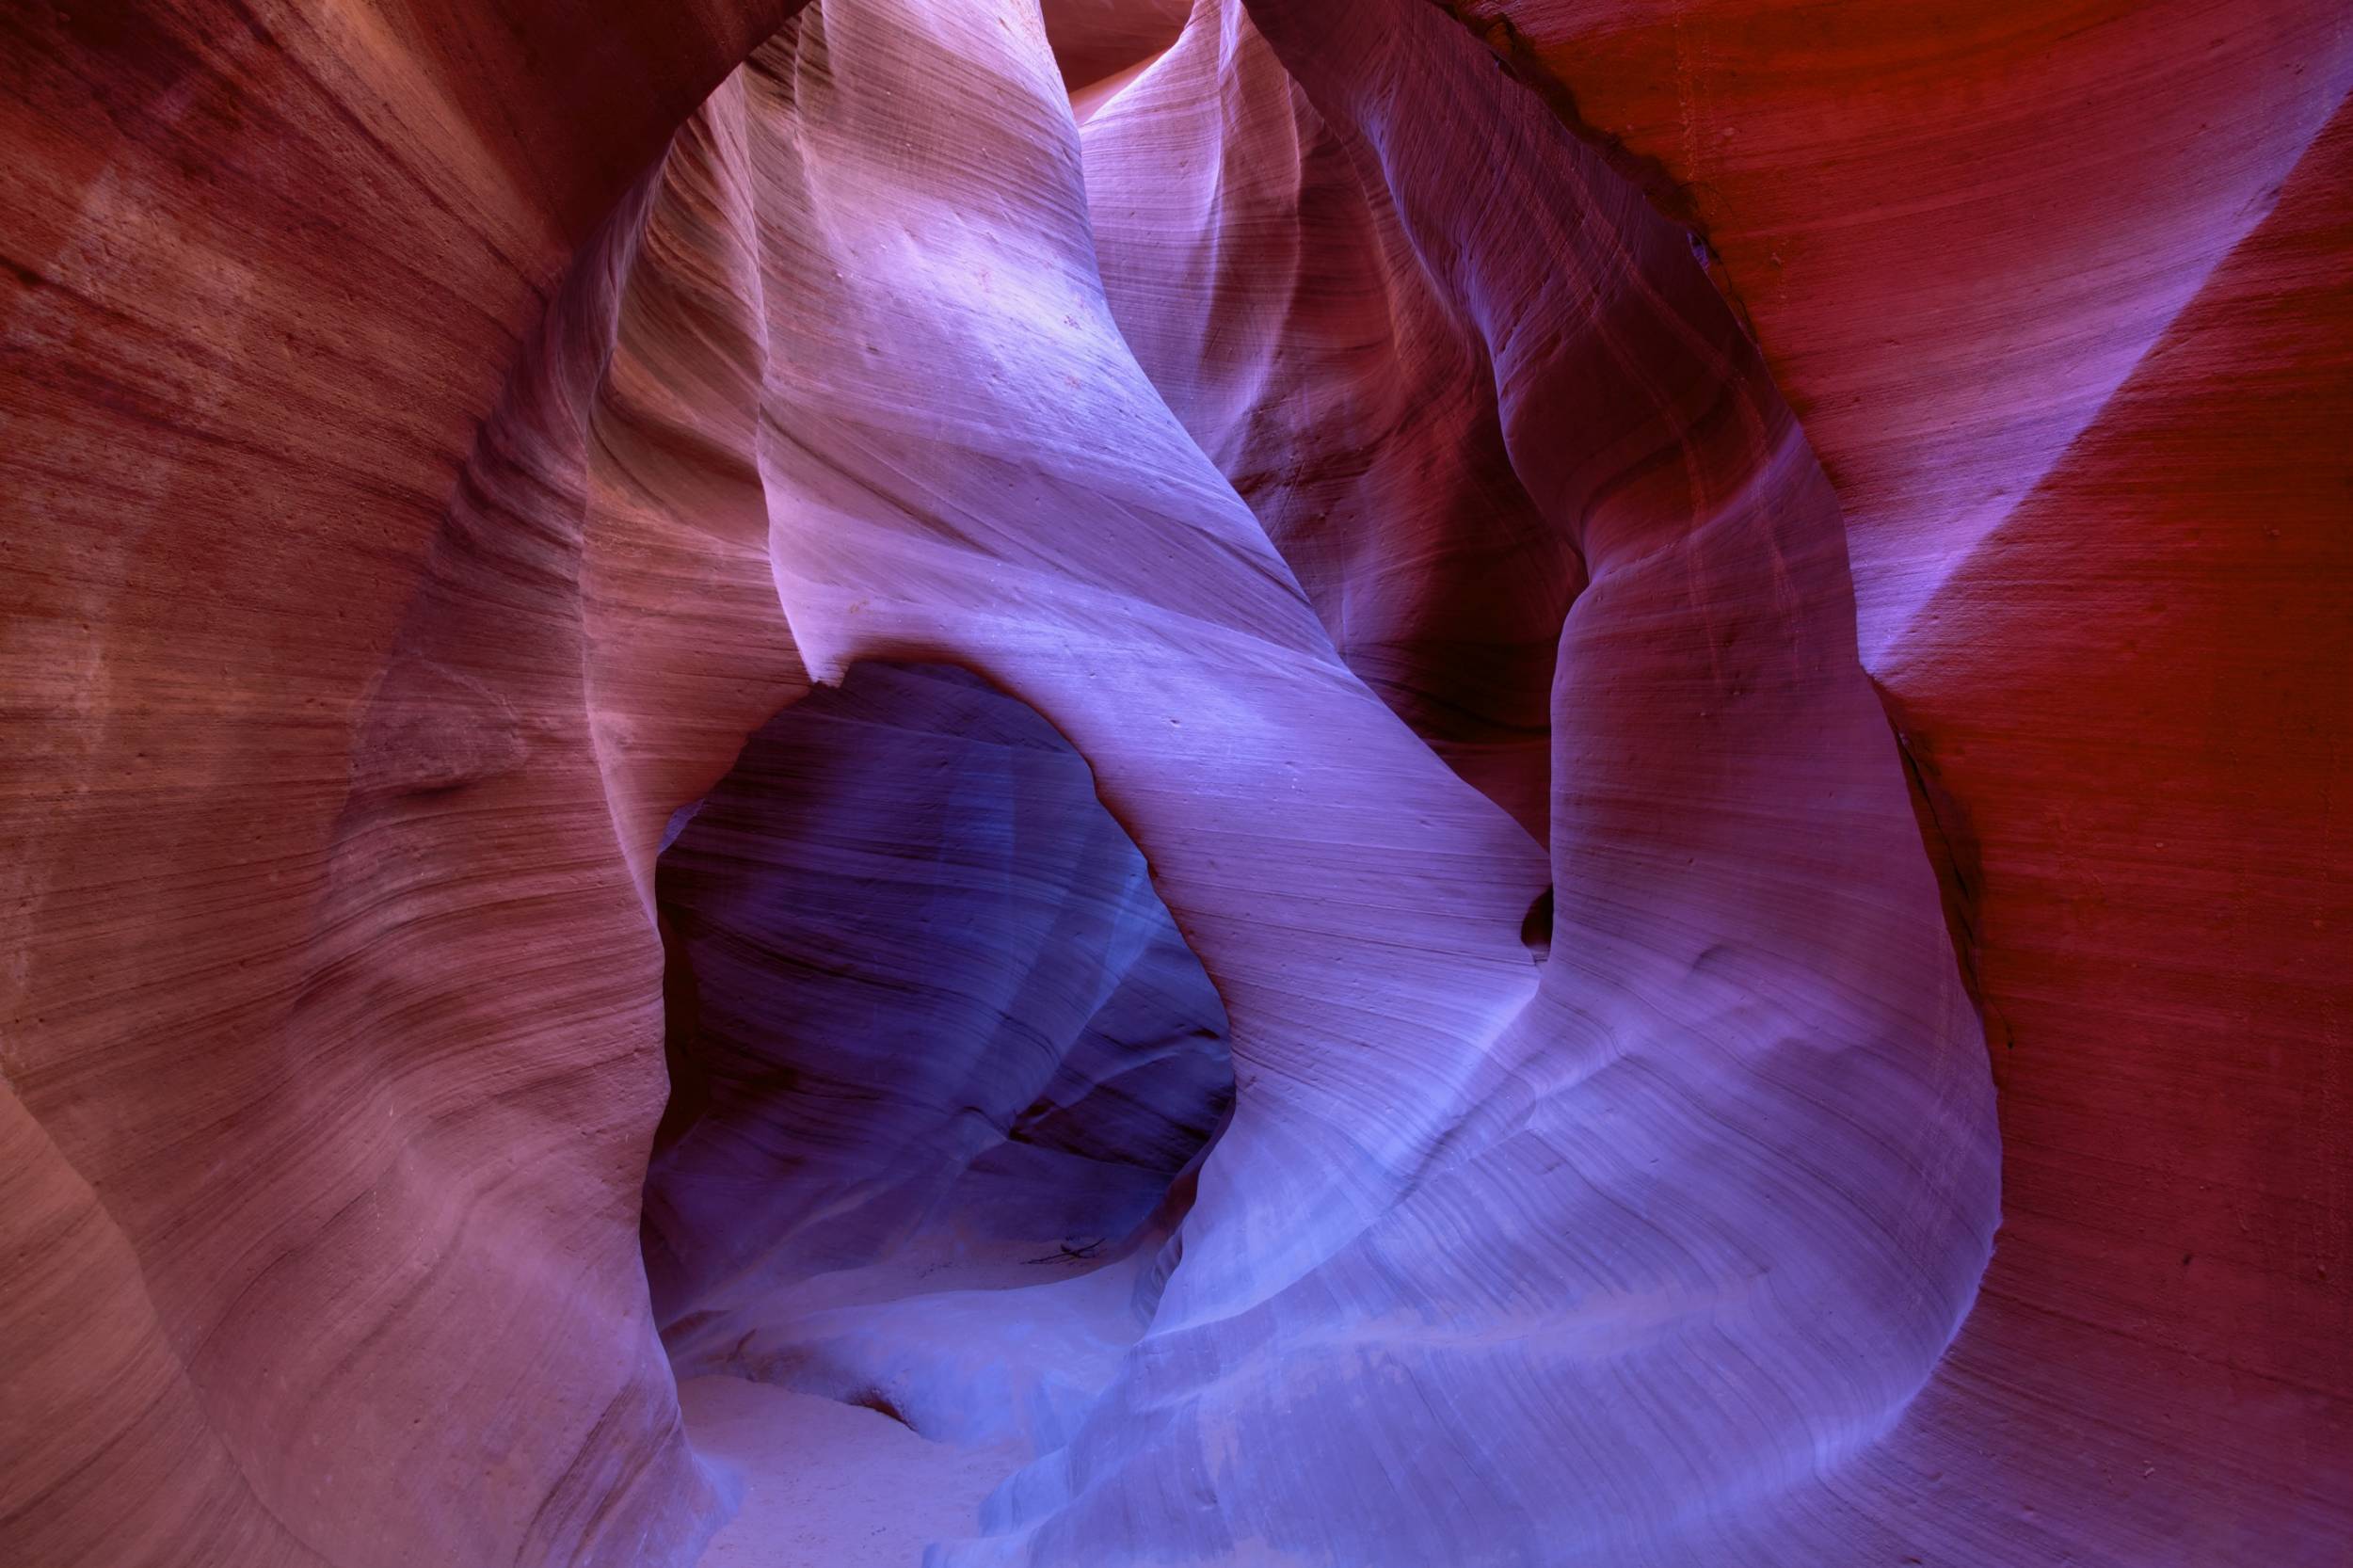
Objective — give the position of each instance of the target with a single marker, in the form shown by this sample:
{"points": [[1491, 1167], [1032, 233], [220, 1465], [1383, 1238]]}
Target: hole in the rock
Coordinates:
{"points": [[1536, 927], [940, 1059]]}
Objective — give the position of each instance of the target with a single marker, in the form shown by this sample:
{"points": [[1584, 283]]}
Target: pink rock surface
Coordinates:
{"points": [[1343, 463], [823, 1482], [328, 998]]}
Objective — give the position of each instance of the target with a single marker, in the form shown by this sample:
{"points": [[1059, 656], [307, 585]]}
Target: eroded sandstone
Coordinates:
{"points": [[1786, 496]]}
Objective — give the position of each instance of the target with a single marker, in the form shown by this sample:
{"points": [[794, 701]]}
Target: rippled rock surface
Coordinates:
{"points": [[1277, 782]]}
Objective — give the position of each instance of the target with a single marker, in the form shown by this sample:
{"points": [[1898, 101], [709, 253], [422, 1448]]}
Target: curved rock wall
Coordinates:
{"points": [[1323, 1257], [329, 1007], [1359, 432], [1256, 262]]}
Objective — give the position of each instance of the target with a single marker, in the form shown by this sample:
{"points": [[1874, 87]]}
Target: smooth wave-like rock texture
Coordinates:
{"points": [[1587, 548]]}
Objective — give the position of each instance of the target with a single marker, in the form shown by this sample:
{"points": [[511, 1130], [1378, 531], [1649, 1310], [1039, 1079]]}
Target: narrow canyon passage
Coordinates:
{"points": [[937, 1057], [1707, 1162], [1176, 784], [941, 1048]]}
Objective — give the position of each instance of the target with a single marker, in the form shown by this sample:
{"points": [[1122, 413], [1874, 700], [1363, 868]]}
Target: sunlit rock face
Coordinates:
{"points": [[1359, 784]]}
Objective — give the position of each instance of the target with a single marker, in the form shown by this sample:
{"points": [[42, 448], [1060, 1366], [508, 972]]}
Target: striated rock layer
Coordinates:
{"points": [[333, 1010], [1352, 959]]}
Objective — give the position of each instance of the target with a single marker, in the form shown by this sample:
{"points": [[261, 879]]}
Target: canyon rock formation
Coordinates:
{"points": [[1371, 784]]}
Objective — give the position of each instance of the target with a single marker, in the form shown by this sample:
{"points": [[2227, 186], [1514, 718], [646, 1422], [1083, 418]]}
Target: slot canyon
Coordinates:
{"points": [[1166, 783]]}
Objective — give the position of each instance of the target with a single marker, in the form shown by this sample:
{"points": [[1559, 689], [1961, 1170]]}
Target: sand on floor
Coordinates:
{"points": [[831, 1485]]}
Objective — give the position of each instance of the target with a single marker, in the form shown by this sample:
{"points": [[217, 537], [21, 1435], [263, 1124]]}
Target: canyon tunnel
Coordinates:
{"points": [[1132, 783]]}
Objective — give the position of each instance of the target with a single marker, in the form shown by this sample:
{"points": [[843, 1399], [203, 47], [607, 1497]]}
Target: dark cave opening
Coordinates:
{"points": [[934, 1041]]}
